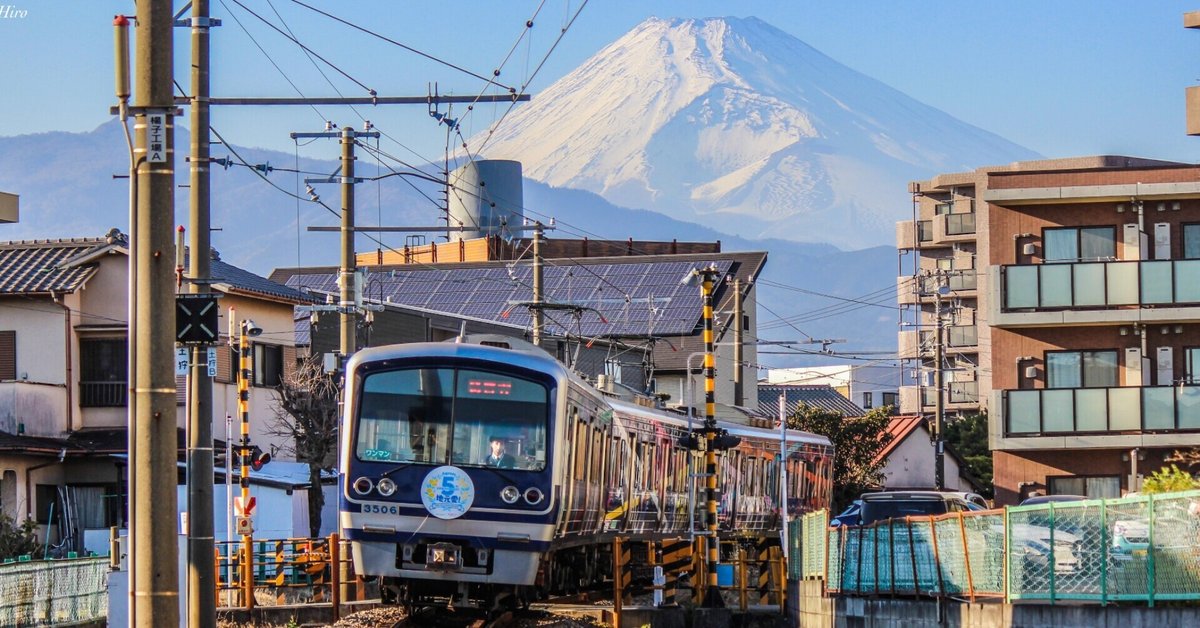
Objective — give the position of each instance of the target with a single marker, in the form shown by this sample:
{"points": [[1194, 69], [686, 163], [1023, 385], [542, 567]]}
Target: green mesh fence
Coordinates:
{"points": [[1139, 549], [49, 593]]}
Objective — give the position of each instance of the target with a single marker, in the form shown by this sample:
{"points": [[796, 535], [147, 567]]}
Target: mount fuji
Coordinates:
{"points": [[737, 125]]}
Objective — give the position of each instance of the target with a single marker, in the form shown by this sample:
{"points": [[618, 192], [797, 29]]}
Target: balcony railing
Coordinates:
{"points": [[955, 280], [1101, 284], [1099, 410], [957, 336], [102, 394], [956, 392], [960, 224]]}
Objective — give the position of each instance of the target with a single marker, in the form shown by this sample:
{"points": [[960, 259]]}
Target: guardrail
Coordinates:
{"points": [[1133, 549], [54, 592]]}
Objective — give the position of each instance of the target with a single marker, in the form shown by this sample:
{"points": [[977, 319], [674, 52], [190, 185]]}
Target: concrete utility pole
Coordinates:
{"points": [[939, 428], [201, 587], [738, 344], [348, 317], [154, 554], [538, 316]]}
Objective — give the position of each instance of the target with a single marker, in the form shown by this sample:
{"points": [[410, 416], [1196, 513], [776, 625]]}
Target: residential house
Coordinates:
{"points": [[63, 364], [910, 459], [873, 385]]}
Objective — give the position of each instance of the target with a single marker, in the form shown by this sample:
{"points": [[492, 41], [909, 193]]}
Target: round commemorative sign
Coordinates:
{"points": [[447, 492]]}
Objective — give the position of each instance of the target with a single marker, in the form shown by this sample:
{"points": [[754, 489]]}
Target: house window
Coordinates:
{"points": [[1098, 487], [102, 368], [1080, 244], [268, 365], [46, 500], [1081, 369], [891, 399], [1191, 241], [8, 355], [867, 400]]}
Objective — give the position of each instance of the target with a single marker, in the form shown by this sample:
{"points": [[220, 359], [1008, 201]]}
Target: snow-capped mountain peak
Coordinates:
{"points": [[736, 124]]}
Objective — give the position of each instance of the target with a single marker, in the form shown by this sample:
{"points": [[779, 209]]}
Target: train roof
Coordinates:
{"points": [[531, 358], [793, 436]]}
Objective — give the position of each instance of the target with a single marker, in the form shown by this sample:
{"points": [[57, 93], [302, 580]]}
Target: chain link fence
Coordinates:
{"points": [[49, 593], [1144, 548], [1140, 549]]}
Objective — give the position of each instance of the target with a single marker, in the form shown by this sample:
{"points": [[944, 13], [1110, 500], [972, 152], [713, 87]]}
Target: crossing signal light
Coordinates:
{"points": [[259, 458]]}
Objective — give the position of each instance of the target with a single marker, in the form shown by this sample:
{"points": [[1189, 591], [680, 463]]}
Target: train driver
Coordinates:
{"points": [[498, 457]]}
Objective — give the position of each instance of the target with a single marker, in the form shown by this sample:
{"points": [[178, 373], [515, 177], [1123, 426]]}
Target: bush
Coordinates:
{"points": [[1168, 480], [17, 540]]}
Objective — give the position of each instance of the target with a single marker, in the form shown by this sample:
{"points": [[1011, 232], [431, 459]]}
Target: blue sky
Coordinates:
{"points": [[1064, 78]]}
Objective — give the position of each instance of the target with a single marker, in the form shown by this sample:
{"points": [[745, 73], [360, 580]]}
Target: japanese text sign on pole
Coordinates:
{"points": [[212, 361], [182, 360], [156, 135], [197, 318]]}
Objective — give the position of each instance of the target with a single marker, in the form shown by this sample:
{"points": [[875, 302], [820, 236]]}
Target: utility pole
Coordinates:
{"points": [[155, 583], [939, 428], [738, 345], [201, 587], [538, 317], [348, 317]]}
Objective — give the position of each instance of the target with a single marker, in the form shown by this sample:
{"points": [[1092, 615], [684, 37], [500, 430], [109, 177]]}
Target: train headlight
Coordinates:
{"points": [[510, 494], [533, 496], [362, 486], [386, 487]]}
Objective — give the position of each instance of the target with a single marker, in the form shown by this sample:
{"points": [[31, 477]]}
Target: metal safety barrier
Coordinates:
{"points": [[55, 592]]}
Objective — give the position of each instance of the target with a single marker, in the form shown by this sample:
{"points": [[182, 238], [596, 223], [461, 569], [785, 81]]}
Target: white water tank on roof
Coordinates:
{"points": [[485, 195]]}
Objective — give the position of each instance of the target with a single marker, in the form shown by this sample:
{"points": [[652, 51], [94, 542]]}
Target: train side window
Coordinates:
{"points": [[580, 450]]}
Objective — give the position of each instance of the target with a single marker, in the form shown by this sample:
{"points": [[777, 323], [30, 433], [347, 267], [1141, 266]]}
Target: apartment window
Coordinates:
{"points": [[102, 368], [1192, 357], [268, 365], [1191, 241], [8, 355], [868, 401], [1081, 369], [1097, 487], [891, 399], [943, 208], [1080, 244]]}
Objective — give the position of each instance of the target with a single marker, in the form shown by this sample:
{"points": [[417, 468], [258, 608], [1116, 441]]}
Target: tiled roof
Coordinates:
{"points": [[247, 281], [43, 266], [824, 397], [900, 427]]}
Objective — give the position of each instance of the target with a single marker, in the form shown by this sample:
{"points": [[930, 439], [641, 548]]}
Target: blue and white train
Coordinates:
{"points": [[429, 512]]}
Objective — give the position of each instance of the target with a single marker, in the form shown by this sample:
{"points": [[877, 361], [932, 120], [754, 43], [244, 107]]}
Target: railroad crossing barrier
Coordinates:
{"points": [[287, 571]]}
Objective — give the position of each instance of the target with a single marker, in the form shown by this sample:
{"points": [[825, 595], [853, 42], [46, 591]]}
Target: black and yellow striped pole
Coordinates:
{"points": [[243, 384], [712, 594]]}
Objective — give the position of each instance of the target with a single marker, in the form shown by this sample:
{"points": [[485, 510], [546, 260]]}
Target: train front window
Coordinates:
{"points": [[453, 416]]}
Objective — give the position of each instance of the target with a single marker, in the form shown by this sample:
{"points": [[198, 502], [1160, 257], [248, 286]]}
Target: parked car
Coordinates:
{"points": [[1046, 499], [849, 516], [896, 504], [973, 498]]}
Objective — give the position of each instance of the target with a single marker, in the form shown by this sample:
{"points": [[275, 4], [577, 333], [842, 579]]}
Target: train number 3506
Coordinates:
{"points": [[380, 508]]}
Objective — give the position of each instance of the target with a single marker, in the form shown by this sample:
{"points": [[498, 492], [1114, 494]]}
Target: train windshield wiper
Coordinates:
{"points": [[497, 471], [396, 468]]}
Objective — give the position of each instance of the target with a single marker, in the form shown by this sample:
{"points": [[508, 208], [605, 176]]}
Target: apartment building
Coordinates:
{"points": [[940, 249], [1086, 304], [1094, 311]]}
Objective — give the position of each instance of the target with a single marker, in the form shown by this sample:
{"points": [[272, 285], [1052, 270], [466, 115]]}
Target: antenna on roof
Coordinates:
{"points": [[462, 333]]}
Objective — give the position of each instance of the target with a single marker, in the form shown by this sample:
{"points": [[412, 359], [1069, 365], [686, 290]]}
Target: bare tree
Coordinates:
{"points": [[307, 419]]}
